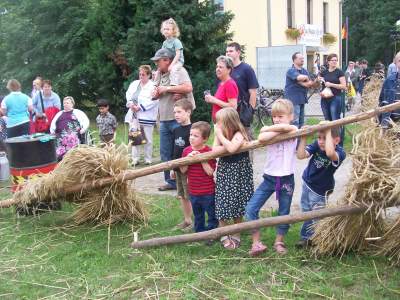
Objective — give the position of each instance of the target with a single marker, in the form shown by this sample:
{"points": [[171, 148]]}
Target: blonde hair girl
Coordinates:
{"points": [[170, 30], [234, 180]]}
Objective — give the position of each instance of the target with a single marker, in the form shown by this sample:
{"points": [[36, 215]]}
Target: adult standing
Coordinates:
{"points": [[392, 68], [46, 103], [227, 91], [365, 72], [36, 86], [334, 79], [16, 107], [143, 109], [351, 76], [390, 93], [169, 90], [297, 84], [69, 125], [246, 81], [50, 99]]}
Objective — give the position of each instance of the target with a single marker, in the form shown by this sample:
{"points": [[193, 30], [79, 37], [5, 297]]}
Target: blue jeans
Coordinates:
{"points": [[167, 146], [332, 108], [298, 112], [310, 201], [264, 191], [201, 205]]}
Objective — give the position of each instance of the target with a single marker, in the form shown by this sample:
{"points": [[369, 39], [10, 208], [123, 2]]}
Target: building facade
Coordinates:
{"points": [[270, 23]]}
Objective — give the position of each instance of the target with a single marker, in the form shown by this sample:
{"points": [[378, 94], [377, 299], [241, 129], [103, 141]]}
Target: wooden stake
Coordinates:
{"points": [[248, 226]]}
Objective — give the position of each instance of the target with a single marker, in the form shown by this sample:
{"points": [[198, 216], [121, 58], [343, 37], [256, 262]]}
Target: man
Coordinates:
{"points": [[392, 68], [168, 91], [247, 83], [390, 93], [297, 83], [364, 74]]}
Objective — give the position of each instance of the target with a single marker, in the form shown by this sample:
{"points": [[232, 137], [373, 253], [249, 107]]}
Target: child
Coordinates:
{"points": [[234, 180], [200, 178], [170, 30], [318, 181], [278, 175], [182, 111], [106, 122]]}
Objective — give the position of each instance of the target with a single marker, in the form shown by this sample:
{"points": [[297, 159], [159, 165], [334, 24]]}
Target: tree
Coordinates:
{"points": [[370, 23], [90, 48], [203, 33]]}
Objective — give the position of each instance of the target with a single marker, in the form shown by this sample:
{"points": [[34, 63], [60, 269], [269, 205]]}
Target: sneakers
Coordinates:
{"points": [[303, 244], [166, 187]]}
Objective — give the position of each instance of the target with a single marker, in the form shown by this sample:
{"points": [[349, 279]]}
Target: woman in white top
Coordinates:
{"points": [[69, 125], [142, 111]]}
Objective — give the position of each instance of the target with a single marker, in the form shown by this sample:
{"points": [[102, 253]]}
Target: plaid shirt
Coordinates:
{"points": [[106, 123]]}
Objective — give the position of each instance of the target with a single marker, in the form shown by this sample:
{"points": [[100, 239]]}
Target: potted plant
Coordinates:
{"points": [[292, 33], [329, 38]]}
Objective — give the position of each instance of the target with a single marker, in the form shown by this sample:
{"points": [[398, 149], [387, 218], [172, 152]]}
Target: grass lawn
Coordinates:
{"points": [[47, 257]]}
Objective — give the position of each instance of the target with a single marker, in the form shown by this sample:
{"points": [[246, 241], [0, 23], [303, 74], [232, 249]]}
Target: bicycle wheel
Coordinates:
{"points": [[265, 117], [256, 124]]}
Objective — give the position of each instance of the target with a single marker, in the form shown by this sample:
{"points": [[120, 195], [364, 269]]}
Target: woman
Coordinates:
{"points": [[142, 112], [16, 106], [36, 86], [333, 78], [227, 91], [68, 125]]}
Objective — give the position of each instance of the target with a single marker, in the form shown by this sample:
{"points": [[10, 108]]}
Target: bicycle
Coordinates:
{"points": [[262, 112]]}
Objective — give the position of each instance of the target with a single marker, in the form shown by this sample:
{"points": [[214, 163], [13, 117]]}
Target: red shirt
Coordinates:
{"points": [[199, 182], [226, 90]]}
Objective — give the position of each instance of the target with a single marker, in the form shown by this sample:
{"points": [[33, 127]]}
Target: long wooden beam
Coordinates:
{"points": [[214, 234]]}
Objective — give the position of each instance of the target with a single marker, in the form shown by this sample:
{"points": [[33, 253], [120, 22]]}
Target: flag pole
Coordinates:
{"points": [[347, 41]]}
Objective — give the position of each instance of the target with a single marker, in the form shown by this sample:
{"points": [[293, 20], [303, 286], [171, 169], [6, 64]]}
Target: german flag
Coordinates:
{"points": [[344, 32]]}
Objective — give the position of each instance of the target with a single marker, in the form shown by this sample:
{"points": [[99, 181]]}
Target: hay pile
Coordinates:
{"points": [[375, 183], [106, 205]]}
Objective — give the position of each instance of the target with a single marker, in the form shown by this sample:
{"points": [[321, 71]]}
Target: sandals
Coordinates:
{"points": [[230, 242], [280, 248], [257, 249]]}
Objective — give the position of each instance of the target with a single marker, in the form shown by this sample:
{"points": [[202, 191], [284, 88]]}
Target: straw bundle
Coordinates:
{"points": [[390, 243], [106, 205], [375, 183]]}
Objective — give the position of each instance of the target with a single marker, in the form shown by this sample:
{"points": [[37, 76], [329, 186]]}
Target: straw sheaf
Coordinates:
{"points": [[375, 184], [106, 205], [390, 243]]}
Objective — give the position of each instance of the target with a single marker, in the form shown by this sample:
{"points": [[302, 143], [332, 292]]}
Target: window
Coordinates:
{"points": [[309, 11], [220, 5], [290, 14], [325, 17]]}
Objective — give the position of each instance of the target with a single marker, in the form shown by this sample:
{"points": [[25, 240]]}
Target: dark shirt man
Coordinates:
{"points": [[297, 83], [245, 79]]}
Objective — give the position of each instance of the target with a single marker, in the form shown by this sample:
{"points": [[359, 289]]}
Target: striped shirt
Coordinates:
{"points": [[199, 182]]}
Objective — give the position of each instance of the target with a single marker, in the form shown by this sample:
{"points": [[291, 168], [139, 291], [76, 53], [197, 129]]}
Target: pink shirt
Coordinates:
{"points": [[281, 158], [226, 90]]}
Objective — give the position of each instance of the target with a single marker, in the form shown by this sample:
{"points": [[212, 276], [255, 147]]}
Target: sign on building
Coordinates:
{"points": [[310, 35]]}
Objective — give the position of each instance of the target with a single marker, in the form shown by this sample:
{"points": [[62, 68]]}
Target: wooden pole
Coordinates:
{"points": [[214, 234], [132, 174], [172, 164]]}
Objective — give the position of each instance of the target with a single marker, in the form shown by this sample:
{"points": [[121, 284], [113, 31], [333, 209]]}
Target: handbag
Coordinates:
{"points": [[246, 113], [327, 93], [136, 135]]}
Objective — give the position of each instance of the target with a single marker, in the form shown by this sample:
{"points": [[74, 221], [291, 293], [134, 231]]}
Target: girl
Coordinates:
{"points": [[278, 175], [234, 180], [170, 30]]}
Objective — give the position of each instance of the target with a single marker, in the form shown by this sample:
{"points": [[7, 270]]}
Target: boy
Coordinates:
{"points": [[318, 181], [200, 178], [182, 111], [106, 122]]}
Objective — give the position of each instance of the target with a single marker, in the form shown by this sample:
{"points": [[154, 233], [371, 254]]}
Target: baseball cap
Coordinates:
{"points": [[162, 53]]}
